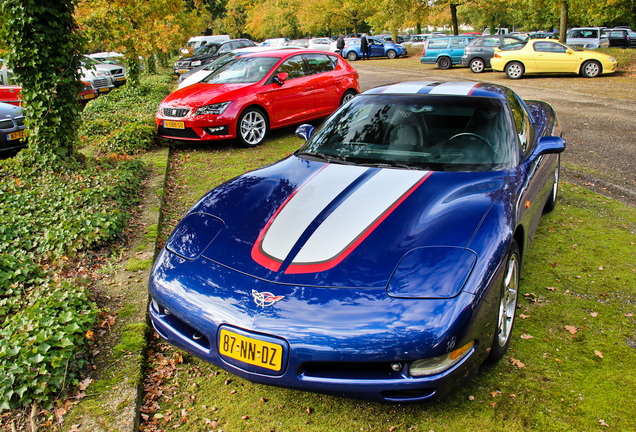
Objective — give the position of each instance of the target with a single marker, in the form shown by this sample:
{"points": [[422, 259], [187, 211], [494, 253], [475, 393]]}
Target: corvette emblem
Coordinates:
{"points": [[263, 299]]}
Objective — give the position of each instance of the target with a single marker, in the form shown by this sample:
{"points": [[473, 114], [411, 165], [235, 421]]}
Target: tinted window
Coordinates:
{"points": [[318, 63], [522, 122], [294, 66], [442, 133], [510, 41], [491, 42], [458, 43], [438, 43], [549, 47]]}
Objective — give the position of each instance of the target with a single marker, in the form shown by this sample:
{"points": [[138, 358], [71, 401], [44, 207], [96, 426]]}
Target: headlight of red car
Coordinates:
{"points": [[216, 108]]}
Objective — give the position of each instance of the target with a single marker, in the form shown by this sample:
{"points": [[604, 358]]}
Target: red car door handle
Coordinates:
{"points": [[309, 88]]}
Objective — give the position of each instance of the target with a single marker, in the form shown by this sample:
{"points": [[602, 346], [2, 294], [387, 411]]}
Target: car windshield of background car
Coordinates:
{"points": [[210, 48], [242, 70], [441, 133]]}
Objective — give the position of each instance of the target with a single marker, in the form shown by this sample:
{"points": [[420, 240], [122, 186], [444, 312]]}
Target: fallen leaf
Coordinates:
{"points": [[594, 314], [629, 315], [517, 363], [85, 383], [553, 288], [494, 393], [471, 398], [571, 329], [598, 353], [526, 336], [602, 423], [522, 316]]}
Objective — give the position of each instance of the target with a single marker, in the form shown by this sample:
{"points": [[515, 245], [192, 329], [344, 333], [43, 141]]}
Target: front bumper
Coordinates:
{"points": [[336, 341]]}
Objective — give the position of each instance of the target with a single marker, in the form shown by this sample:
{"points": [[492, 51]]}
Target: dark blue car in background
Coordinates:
{"points": [[377, 48]]}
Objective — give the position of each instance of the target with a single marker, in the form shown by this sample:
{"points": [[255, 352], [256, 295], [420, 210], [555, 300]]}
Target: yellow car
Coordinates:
{"points": [[550, 56]]}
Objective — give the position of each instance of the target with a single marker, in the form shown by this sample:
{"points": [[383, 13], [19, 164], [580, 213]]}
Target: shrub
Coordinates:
{"points": [[131, 139]]}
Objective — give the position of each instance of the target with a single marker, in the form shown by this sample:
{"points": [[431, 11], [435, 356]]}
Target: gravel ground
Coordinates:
{"points": [[598, 117]]}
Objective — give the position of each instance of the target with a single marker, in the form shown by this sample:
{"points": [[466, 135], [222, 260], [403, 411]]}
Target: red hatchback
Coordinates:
{"points": [[257, 92]]}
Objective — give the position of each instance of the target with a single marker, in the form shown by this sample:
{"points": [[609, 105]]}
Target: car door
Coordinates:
{"points": [[295, 99], [376, 48], [325, 83], [554, 57], [536, 170], [456, 49]]}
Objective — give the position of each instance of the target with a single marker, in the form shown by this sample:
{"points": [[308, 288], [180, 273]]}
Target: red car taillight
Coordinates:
{"points": [[424, 50]]}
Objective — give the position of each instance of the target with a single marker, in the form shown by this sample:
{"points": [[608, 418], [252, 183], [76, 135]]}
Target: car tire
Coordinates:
{"points": [[391, 54], [347, 96], [477, 65], [444, 63], [507, 305], [591, 69], [352, 55], [550, 204], [514, 70], [252, 127]]}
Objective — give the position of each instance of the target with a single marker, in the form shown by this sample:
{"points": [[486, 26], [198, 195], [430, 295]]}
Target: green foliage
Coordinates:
{"points": [[47, 215], [42, 344], [45, 56], [133, 138], [123, 122]]}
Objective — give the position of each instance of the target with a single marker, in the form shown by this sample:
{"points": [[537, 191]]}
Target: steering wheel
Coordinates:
{"points": [[470, 135]]}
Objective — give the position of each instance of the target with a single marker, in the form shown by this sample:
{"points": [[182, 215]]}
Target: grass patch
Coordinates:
{"points": [[135, 264], [578, 297]]}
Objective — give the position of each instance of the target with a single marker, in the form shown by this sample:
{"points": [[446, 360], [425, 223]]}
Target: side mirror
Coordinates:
{"points": [[281, 78], [549, 145], [305, 131]]}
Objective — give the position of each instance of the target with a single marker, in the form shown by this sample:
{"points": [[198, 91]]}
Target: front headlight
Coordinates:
{"points": [[435, 365], [216, 108], [196, 63], [612, 59]]}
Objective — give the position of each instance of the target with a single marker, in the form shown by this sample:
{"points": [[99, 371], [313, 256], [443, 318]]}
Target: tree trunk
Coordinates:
{"points": [[453, 9], [564, 21]]}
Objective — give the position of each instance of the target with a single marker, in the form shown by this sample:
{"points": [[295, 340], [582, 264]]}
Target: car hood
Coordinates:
{"points": [[314, 224], [9, 111], [200, 94], [200, 57]]}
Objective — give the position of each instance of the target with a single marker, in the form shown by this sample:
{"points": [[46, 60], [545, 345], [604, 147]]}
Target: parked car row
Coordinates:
{"points": [[516, 56]]}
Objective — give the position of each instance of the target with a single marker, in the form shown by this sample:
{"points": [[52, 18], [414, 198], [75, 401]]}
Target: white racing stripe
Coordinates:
{"points": [[358, 213], [454, 88], [305, 206]]}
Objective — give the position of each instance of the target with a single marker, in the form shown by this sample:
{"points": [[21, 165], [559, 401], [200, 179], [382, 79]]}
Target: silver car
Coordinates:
{"points": [[587, 38]]}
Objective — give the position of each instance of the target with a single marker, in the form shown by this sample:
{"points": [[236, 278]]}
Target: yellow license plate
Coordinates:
{"points": [[88, 96], [174, 124], [251, 351], [182, 71], [16, 135], [104, 90], [120, 78]]}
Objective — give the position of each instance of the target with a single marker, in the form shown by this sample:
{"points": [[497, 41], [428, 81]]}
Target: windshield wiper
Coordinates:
{"points": [[328, 158]]}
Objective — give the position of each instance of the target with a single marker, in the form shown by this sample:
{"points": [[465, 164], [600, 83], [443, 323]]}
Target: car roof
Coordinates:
{"points": [[286, 52], [458, 88]]}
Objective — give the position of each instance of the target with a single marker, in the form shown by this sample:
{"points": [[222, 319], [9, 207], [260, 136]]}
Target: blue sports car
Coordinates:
{"points": [[381, 260], [377, 48]]}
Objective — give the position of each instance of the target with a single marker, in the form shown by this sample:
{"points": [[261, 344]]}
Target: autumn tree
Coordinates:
{"points": [[140, 27], [44, 52]]}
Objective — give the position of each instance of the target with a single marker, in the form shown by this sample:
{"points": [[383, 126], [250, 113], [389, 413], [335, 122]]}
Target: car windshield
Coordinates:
{"points": [[220, 61], [441, 133], [210, 48], [242, 70]]}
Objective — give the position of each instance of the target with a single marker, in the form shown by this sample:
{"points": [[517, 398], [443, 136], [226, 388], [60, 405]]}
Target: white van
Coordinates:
{"points": [[198, 41]]}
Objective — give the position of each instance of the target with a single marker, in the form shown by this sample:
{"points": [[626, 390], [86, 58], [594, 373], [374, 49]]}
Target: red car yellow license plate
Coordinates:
{"points": [[174, 124], [15, 135], [251, 351]]}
